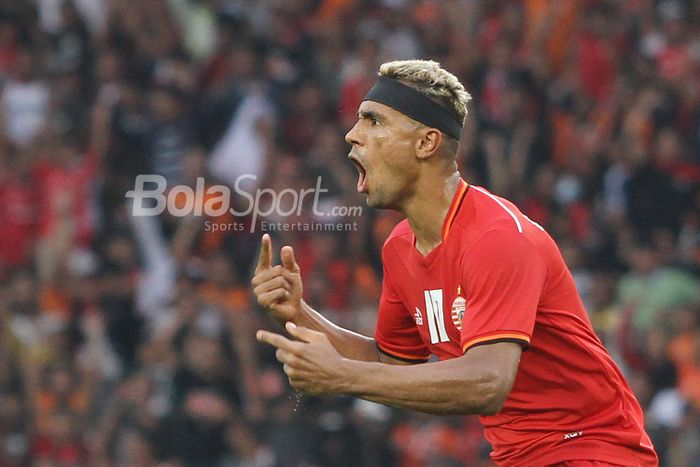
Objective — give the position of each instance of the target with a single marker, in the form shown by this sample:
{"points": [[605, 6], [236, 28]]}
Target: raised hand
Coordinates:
{"points": [[278, 288]]}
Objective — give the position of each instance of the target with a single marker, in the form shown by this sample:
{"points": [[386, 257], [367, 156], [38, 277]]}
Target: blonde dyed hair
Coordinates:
{"points": [[428, 78]]}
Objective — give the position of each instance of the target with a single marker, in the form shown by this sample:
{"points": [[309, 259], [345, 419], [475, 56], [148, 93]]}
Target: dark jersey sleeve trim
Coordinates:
{"points": [[523, 343], [403, 359]]}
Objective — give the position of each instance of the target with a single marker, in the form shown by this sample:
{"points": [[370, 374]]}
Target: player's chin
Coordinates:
{"points": [[382, 196], [372, 200], [377, 202]]}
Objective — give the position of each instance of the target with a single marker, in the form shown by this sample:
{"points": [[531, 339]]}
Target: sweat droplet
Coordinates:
{"points": [[298, 401]]}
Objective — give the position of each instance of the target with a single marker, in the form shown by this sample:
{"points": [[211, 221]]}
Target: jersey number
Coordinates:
{"points": [[435, 314]]}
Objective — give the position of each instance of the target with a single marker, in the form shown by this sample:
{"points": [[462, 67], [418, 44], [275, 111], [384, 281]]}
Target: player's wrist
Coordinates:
{"points": [[302, 314], [349, 372], [294, 315]]}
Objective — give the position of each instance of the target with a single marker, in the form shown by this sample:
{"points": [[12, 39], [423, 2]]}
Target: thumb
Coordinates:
{"points": [[288, 260], [301, 333]]}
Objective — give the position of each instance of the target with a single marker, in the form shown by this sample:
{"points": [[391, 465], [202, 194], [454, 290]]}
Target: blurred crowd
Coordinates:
{"points": [[128, 340]]}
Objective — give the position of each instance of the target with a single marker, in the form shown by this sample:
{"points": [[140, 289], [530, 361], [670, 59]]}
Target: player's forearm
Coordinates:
{"points": [[441, 388], [349, 344]]}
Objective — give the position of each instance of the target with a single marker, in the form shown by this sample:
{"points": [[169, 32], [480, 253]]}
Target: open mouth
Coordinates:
{"points": [[362, 174]]}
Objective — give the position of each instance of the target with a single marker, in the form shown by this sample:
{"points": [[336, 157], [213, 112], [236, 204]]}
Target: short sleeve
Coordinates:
{"points": [[396, 332], [504, 276]]}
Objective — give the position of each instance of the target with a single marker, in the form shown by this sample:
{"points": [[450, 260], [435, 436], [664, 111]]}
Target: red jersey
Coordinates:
{"points": [[497, 276], [69, 191], [19, 216]]}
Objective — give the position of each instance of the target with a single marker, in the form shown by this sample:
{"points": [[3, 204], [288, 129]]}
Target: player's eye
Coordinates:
{"points": [[370, 118]]}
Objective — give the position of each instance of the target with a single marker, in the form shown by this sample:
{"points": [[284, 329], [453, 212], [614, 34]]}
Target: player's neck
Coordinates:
{"points": [[427, 209]]}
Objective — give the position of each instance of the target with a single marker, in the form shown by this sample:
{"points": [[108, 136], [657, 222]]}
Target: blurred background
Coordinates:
{"points": [[128, 341]]}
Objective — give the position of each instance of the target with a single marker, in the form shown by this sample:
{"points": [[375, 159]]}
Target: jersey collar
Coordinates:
{"points": [[454, 208], [428, 260]]}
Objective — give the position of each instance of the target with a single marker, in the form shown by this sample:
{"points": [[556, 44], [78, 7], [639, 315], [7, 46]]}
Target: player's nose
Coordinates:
{"points": [[352, 136]]}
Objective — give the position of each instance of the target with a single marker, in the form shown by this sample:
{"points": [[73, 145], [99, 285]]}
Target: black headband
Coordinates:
{"points": [[412, 103]]}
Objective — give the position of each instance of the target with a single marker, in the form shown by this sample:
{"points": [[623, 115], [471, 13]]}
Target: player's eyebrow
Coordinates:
{"points": [[371, 114]]}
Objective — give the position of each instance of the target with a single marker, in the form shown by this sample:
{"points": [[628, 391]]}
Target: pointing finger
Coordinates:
{"points": [[265, 259], [275, 340], [302, 333]]}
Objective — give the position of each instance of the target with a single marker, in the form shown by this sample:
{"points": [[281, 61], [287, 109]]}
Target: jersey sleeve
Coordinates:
{"points": [[396, 333], [504, 276]]}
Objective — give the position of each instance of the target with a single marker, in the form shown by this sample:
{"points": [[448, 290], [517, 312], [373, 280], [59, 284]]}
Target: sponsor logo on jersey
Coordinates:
{"points": [[459, 305], [418, 317]]}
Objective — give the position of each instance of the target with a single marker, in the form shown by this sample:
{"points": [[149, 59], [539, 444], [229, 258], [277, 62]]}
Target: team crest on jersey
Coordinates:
{"points": [[459, 305], [418, 316]]}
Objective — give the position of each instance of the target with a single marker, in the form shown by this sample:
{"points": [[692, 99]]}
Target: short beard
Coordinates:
{"points": [[377, 202]]}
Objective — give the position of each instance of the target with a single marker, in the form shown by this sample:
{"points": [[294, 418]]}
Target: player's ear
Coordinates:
{"points": [[428, 142]]}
